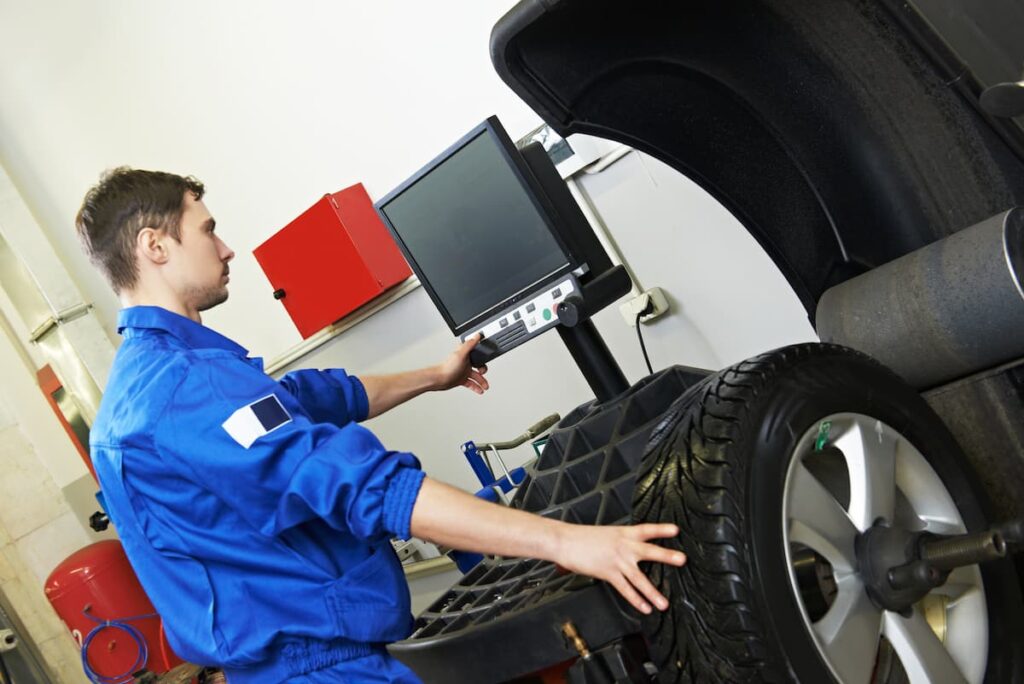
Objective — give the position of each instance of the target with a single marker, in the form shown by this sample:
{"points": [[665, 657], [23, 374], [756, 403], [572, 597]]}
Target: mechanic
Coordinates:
{"points": [[258, 513]]}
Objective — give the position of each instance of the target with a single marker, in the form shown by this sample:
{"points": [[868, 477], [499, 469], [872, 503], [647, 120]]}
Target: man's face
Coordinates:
{"points": [[199, 263]]}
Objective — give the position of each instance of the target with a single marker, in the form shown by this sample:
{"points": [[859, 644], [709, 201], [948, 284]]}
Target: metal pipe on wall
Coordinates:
{"points": [[49, 329], [23, 662], [945, 311]]}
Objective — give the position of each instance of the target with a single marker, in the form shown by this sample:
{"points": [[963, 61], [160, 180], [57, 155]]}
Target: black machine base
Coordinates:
{"points": [[585, 474]]}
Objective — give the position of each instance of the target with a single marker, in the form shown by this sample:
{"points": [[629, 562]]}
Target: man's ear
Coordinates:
{"points": [[150, 245]]}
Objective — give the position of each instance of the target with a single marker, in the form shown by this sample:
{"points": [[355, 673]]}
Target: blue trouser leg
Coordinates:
{"points": [[373, 669]]}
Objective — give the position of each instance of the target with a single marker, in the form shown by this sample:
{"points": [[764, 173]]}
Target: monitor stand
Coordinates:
{"points": [[581, 338], [594, 360], [600, 287]]}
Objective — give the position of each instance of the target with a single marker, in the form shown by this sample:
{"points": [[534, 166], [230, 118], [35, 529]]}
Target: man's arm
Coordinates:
{"points": [[448, 516], [385, 392]]}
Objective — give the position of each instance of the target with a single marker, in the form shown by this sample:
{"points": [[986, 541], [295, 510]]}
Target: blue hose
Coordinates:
{"points": [[134, 633]]}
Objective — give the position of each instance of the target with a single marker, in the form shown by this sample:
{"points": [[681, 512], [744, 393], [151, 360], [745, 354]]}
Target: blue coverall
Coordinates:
{"points": [[256, 513]]}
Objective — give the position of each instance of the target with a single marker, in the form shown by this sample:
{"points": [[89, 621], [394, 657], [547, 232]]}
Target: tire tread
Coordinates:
{"points": [[691, 474]]}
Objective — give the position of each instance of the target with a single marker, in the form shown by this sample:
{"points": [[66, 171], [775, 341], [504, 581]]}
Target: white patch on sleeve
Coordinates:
{"points": [[254, 420]]}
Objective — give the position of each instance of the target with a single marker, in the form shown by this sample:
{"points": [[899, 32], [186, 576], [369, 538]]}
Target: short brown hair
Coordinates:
{"points": [[123, 203]]}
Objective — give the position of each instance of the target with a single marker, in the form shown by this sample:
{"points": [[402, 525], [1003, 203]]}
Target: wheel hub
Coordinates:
{"points": [[899, 567], [882, 549]]}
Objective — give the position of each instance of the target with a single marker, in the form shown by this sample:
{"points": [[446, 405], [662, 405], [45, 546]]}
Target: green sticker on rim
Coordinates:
{"points": [[822, 439]]}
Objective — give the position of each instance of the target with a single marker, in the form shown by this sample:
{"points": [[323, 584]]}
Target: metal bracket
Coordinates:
{"points": [[8, 640], [64, 316]]}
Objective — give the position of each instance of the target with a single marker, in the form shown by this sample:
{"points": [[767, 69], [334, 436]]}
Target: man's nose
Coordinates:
{"points": [[226, 253]]}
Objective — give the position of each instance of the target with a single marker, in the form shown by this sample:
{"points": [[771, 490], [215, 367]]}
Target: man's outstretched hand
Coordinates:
{"points": [[612, 554], [448, 516], [456, 370]]}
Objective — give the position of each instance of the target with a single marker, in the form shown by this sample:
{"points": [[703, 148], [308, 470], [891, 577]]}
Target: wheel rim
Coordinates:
{"points": [[885, 477]]}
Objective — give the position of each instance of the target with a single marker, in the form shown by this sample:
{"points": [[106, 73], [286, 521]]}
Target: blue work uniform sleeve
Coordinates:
{"points": [[232, 427], [329, 396]]}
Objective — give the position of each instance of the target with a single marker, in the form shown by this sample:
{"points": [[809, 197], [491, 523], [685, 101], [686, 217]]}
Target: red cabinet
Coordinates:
{"points": [[331, 260]]}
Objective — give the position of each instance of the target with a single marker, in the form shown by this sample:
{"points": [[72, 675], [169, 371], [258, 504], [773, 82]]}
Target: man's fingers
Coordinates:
{"points": [[479, 379], [630, 594], [469, 384], [639, 580], [647, 531], [658, 554], [476, 382]]}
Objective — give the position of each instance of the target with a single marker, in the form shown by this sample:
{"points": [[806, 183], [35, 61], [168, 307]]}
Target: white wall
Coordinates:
{"points": [[271, 104], [727, 294]]}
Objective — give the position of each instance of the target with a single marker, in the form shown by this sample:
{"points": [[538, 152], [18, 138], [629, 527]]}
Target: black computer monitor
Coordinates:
{"points": [[503, 250], [476, 231]]}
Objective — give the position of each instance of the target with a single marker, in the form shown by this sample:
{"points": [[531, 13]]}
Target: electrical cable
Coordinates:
{"points": [[640, 336], [134, 633]]}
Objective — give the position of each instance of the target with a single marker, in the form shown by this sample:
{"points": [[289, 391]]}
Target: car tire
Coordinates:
{"points": [[717, 466]]}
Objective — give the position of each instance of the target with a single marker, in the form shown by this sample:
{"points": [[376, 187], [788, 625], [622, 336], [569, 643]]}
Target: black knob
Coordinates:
{"points": [[279, 294], [570, 311], [99, 521]]}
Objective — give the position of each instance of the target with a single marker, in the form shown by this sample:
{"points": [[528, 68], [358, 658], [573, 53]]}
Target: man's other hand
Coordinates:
{"points": [[384, 392], [456, 370]]}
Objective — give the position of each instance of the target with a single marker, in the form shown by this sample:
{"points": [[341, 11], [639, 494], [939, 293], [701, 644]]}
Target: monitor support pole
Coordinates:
{"points": [[580, 336], [594, 359], [603, 284]]}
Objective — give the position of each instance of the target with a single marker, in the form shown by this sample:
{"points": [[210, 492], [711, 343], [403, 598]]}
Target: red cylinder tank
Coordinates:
{"points": [[99, 579]]}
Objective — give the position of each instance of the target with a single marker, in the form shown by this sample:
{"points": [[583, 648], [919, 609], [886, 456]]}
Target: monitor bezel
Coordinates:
{"points": [[512, 156]]}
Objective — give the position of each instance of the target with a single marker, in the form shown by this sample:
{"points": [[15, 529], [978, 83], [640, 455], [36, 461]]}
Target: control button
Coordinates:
{"points": [[531, 307], [557, 292], [532, 322], [516, 315], [547, 314], [503, 323]]}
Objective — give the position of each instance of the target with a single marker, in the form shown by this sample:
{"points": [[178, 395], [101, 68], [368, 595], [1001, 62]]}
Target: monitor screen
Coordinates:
{"points": [[472, 230]]}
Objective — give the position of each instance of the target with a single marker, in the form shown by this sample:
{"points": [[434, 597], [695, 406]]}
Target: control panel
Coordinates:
{"points": [[518, 324]]}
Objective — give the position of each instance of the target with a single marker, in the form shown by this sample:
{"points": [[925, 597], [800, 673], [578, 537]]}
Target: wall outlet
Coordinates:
{"points": [[655, 296]]}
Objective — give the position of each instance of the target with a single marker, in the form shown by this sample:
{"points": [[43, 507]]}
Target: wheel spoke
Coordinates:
{"points": [[817, 521], [849, 631], [923, 656], [960, 582], [870, 452], [942, 526]]}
